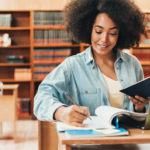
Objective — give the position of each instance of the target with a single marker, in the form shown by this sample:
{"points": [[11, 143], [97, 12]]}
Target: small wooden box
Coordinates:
{"points": [[22, 74]]}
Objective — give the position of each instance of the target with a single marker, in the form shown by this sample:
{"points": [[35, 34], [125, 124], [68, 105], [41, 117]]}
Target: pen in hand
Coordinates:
{"points": [[73, 101]]}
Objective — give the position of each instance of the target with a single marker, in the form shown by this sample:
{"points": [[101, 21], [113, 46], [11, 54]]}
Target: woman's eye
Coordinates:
{"points": [[114, 33], [98, 32]]}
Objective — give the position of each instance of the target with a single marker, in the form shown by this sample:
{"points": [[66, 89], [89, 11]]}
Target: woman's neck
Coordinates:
{"points": [[105, 59]]}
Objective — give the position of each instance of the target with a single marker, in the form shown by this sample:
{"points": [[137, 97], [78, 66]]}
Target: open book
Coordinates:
{"points": [[105, 123], [141, 88], [88, 132], [108, 117]]}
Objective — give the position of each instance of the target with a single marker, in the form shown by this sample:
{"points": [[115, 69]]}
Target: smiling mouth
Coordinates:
{"points": [[103, 46]]}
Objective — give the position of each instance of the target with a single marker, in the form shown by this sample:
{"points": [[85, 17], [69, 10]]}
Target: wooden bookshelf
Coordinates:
{"points": [[18, 29], [22, 30], [53, 39]]}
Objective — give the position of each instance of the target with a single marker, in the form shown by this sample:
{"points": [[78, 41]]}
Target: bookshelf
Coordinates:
{"points": [[51, 44], [16, 53], [39, 37], [142, 52]]}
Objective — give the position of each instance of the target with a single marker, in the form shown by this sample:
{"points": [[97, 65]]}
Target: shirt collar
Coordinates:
{"points": [[120, 56], [89, 56]]}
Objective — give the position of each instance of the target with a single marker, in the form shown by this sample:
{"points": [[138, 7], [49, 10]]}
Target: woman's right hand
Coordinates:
{"points": [[72, 115]]}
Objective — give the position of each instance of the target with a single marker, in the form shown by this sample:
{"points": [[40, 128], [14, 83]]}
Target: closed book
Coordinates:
{"points": [[89, 133], [141, 88]]}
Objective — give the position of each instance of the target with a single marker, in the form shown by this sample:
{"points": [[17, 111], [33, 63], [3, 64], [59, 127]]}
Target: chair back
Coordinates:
{"points": [[47, 135]]}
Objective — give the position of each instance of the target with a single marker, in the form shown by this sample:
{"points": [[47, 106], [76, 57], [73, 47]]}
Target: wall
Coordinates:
{"points": [[143, 4], [32, 4], [50, 4]]}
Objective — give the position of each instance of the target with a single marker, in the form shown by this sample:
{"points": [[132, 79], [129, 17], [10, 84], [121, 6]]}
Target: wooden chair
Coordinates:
{"points": [[47, 136], [8, 105]]}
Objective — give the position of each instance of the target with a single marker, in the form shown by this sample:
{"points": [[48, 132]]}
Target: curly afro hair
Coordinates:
{"points": [[81, 14]]}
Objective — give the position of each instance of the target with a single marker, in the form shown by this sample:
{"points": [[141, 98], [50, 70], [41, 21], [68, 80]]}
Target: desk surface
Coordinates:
{"points": [[136, 136]]}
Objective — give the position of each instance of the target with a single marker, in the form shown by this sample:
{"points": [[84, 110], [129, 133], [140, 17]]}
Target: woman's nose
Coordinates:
{"points": [[104, 37]]}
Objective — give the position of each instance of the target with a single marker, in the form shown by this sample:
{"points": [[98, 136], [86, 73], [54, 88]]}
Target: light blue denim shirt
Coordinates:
{"points": [[80, 76]]}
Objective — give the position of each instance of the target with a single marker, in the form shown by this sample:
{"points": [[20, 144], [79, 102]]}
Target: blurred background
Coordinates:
{"points": [[33, 41]]}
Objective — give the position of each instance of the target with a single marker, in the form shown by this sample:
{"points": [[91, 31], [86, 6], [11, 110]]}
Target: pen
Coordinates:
{"points": [[73, 101]]}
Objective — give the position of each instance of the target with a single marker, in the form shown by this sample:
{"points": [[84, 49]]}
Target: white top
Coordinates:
{"points": [[115, 96]]}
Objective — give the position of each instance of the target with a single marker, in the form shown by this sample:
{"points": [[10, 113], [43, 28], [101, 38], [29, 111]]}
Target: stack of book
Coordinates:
{"points": [[51, 37], [5, 20], [15, 59], [40, 71], [48, 18], [46, 59]]}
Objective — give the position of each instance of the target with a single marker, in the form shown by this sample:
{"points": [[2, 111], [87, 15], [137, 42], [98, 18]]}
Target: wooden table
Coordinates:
{"points": [[136, 136]]}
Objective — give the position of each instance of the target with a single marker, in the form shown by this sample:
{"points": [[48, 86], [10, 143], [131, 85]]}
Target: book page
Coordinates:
{"points": [[61, 127], [97, 122], [108, 113]]}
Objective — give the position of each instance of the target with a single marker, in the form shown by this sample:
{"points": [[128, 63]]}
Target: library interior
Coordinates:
{"points": [[33, 41]]}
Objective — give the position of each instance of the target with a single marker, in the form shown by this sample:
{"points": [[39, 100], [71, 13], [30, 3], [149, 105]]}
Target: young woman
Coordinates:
{"points": [[95, 76]]}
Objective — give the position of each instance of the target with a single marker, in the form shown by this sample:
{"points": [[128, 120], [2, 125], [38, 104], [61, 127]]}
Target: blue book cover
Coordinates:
{"points": [[96, 133]]}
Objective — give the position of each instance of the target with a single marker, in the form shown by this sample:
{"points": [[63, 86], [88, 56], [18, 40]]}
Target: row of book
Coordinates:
{"points": [[51, 36], [146, 70], [52, 51], [48, 18], [51, 56], [46, 59], [143, 54], [40, 71], [5, 20]]}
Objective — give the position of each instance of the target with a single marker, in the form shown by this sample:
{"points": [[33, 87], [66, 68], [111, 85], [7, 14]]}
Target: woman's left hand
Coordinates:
{"points": [[139, 102]]}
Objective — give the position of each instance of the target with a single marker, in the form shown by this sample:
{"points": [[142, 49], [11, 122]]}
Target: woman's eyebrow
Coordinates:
{"points": [[103, 27]]}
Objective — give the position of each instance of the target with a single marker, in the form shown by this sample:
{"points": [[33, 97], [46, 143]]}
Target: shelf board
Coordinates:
{"points": [[50, 27], [13, 80], [38, 80], [145, 63], [142, 46], [15, 46], [56, 45], [13, 28], [24, 117], [14, 64], [148, 28]]}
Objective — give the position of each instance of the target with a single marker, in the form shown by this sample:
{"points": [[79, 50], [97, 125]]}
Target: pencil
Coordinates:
{"points": [[73, 101]]}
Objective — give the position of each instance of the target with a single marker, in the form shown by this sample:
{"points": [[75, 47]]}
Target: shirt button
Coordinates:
{"points": [[117, 67], [121, 80], [86, 92]]}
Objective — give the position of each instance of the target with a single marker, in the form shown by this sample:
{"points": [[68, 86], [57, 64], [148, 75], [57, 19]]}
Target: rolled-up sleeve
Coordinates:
{"points": [[50, 94]]}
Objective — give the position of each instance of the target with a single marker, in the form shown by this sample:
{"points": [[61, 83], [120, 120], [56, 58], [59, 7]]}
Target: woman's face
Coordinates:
{"points": [[104, 35]]}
